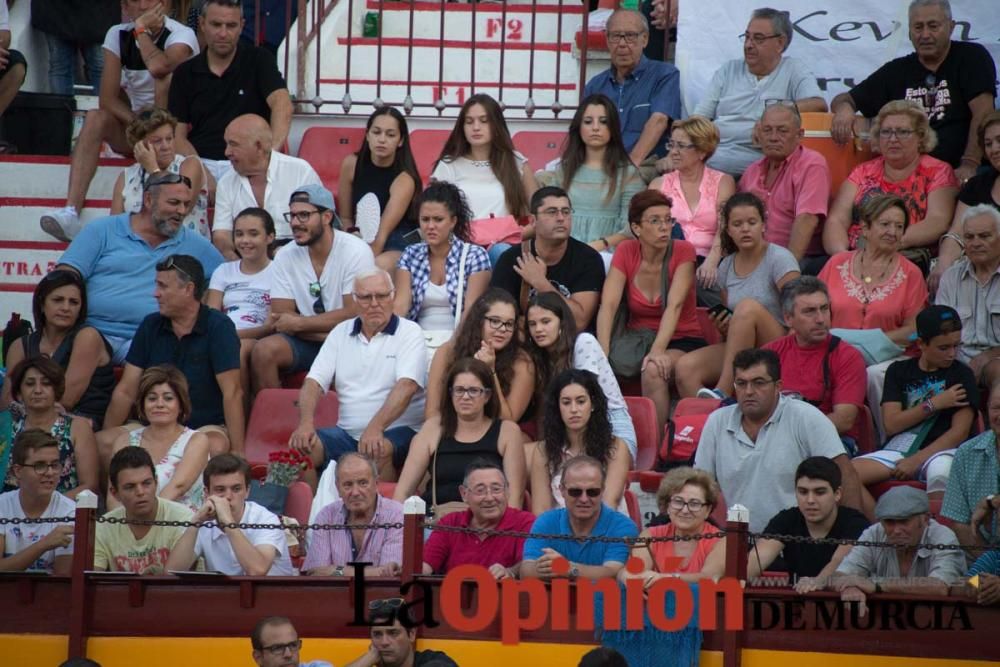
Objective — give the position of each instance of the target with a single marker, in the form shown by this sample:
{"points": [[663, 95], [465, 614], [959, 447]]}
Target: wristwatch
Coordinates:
{"points": [[989, 501], [574, 572]]}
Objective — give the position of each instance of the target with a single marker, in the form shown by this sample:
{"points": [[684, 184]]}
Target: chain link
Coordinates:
{"points": [[517, 534]]}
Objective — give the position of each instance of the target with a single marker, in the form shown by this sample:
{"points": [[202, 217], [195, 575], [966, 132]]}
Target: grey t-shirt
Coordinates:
{"points": [[760, 474], [761, 284], [882, 563], [735, 101]]}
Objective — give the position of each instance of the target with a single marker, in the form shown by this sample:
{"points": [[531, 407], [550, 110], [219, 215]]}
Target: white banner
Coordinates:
{"points": [[842, 42]]}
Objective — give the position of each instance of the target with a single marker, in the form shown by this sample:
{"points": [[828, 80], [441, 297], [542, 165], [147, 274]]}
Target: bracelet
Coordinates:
{"points": [[606, 244], [970, 160], [928, 407], [138, 30], [954, 237]]}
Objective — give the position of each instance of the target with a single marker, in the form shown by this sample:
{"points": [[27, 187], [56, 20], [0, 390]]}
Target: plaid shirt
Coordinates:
{"points": [[416, 260]]}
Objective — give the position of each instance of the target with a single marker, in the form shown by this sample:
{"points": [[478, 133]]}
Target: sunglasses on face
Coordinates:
{"points": [[576, 493]]}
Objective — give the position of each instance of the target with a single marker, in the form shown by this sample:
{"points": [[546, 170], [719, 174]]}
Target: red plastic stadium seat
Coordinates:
{"points": [[643, 414], [386, 489], [696, 406], [632, 503], [326, 147], [294, 380], [865, 428], [299, 502], [275, 415], [426, 146], [936, 512], [539, 147], [878, 489], [649, 480], [708, 330]]}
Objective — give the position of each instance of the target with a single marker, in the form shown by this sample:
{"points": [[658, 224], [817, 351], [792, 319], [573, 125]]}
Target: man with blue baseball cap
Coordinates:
{"points": [[906, 564], [311, 283]]}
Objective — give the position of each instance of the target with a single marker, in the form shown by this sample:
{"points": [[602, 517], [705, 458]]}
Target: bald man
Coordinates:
{"points": [[260, 177], [794, 182]]}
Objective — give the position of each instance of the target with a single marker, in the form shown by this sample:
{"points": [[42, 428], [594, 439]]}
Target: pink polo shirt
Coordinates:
{"points": [[445, 550], [801, 187]]}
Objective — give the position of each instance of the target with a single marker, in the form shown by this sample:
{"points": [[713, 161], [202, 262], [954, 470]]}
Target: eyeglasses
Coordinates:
{"points": [[301, 216], [166, 179], [677, 503], [483, 491], [898, 132], [472, 392], [279, 649], [316, 290], [756, 383], [500, 325], [658, 221], [373, 297], [630, 37], [679, 145], [170, 264], [576, 493], [553, 212], [757, 38], [42, 467]]}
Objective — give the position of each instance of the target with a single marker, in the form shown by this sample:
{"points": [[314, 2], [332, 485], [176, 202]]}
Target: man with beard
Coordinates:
{"points": [[117, 257], [201, 342], [393, 642], [754, 447], [311, 287]]}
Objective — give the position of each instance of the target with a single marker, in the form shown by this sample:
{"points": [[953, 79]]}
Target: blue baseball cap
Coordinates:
{"points": [[313, 194]]}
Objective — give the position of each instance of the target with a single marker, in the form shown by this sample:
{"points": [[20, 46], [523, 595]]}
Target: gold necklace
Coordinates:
{"points": [[869, 277]]}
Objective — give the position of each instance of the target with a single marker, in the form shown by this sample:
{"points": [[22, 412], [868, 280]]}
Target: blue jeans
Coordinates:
{"points": [[62, 64], [495, 251], [337, 441]]}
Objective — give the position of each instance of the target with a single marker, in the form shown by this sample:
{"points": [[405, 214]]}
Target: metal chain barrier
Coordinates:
{"points": [[492, 532]]}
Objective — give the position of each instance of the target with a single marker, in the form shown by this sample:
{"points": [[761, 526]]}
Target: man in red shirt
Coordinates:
{"points": [[821, 368], [484, 490]]}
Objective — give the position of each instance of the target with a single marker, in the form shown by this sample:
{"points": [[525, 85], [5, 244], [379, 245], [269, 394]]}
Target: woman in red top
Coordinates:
{"points": [[666, 324], [689, 496], [903, 136]]}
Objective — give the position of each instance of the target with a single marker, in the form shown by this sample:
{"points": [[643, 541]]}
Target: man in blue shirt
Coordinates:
{"points": [[117, 256], [582, 486], [276, 644], [201, 342], [647, 92]]}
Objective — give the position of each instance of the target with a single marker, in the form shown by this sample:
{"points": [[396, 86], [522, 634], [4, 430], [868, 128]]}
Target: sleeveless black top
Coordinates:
{"points": [[452, 459], [95, 399], [374, 180]]}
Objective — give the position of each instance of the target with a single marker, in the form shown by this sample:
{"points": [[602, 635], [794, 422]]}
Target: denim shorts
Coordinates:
{"points": [[303, 353], [337, 441]]}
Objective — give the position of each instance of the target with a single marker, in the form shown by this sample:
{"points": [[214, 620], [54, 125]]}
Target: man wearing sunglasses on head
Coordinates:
{"points": [[276, 644], [585, 515], [312, 280], [393, 643]]}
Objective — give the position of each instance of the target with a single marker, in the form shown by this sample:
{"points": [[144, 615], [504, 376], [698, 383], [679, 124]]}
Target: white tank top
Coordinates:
{"points": [[436, 313]]}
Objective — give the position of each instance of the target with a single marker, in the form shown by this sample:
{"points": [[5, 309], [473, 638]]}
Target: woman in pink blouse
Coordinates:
{"points": [[876, 287], [698, 193], [903, 136]]}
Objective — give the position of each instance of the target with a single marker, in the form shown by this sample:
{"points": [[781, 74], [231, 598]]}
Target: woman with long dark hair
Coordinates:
{"points": [[596, 171], [379, 185], [59, 306], [576, 422], [555, 346], [471, 429], [443, 270], [479, 158]]}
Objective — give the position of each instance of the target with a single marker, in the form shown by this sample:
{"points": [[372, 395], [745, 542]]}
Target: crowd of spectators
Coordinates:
{"points": [[481, 362]]}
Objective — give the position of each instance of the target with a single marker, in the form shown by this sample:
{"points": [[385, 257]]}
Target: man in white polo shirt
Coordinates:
{"points": [[260, 177], [377, 363], [311, 283], [234, 551]]}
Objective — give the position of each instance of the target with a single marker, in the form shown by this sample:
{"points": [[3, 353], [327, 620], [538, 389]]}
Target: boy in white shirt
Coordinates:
{"points": [[40, 546], [233, 551]]}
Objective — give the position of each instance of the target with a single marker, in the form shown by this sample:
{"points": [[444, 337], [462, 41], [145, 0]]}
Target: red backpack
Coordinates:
{"points": [[681, 441]]}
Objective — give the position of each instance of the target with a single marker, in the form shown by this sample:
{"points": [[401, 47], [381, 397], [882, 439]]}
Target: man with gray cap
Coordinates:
{"points": [[311, 287], [904, 565]]}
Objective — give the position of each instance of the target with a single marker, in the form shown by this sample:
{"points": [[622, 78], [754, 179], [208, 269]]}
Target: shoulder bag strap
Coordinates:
{"points": [[665, 272], [459, 301], [434, 477]]}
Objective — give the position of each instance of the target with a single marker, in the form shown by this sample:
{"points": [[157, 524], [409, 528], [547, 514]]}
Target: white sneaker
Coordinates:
{"points": [[367, 217], [705, 392], [62, 223]]}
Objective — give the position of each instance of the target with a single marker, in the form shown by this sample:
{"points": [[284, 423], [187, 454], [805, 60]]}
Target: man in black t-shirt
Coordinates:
{"points": [[553, 261], [229, 78], [954, 81], [818, 515], [393, 641], [928, 409]]}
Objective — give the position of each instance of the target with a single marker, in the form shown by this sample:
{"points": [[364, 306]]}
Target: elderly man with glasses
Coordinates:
{"points": [[735, 97], [647, 91], [117, 257], [377, 364], [311, 284], [793, 182], [276, 644], [585, 515], [754, 447]]}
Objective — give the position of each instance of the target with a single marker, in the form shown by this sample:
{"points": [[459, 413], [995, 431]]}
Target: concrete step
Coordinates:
{"points": [[48, 176]]}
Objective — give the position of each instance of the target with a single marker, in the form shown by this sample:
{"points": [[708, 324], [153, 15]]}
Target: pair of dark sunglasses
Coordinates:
{"points": [[576, 493]]}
